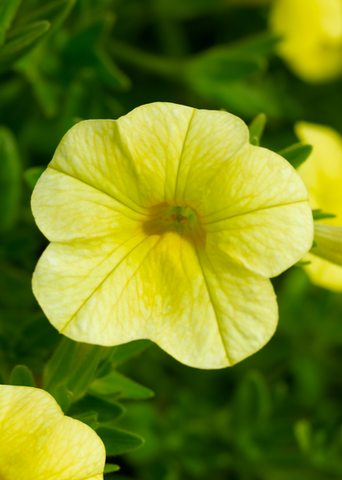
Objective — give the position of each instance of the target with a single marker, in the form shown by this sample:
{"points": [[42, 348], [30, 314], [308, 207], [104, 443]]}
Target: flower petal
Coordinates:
{"points": [[39, 443], [267, 241], [205, 316], [66, 209], [324, 273], [322, 171], [134, 159], [261, 214]]}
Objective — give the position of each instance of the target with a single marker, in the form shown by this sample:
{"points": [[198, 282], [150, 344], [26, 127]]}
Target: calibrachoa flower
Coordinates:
{"points": [[322, 174], [312, 36], [165, 224], [39, 443]]}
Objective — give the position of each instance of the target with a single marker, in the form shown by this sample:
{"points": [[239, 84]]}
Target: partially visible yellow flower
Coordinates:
{"points": [[312, 36], [37, 442], [166, 225], [322, 174]]}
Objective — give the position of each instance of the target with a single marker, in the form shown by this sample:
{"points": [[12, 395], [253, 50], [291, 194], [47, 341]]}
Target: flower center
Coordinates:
{"points": [[183, 220]]}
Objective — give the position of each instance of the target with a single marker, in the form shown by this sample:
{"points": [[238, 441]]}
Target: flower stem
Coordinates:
{"points": [[165, 67]]}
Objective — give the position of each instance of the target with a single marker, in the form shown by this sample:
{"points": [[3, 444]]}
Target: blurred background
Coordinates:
{"points": [[276, 415]]}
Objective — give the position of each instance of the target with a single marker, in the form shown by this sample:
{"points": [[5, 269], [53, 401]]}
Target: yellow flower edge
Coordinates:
{"points": [[312, 37], [322, 174], [39, 443], [166, 224]]}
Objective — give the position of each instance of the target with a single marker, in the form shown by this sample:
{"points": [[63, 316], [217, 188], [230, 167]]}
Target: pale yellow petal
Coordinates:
{"points": [[264, 219], [66, 209], [324, 273], [39, 443], [134, 160], [266, 241], [205, 315], [312, 36], [322, 171]]}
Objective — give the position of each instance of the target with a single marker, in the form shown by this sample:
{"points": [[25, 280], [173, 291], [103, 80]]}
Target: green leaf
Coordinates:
{"points": [[58, 369], [260, 45], [119, 441], [110, 72], [8, 10], [115, 383], [63, 397], [252, 405], [107, 410], [319, 215], [303, 433], [110, 467], [123, 352], [54, 12], [256, 129], [10, 180], [296, 154], [218, 66], [89, 418], [20, 41], [22, 376], [83, 373], [32, 175]]}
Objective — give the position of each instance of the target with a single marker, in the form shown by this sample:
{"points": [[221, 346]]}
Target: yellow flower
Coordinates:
{"points": [[39, 443], [312, 32], [165, 224], [322, 174]]}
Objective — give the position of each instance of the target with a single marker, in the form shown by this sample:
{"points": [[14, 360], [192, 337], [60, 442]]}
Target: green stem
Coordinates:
{"points": [[165, 67]]}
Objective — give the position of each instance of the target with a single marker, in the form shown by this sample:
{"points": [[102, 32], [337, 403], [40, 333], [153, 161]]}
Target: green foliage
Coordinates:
{"points": [[119, 441], [296, 154], [117, 385], [256, 129], [319, 215], [10, 180], [22, 376]]}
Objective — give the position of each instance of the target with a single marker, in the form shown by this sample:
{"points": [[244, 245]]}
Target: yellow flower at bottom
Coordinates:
{"points": [[312, 36], [322, 174], [166, 225], [37, 442]]}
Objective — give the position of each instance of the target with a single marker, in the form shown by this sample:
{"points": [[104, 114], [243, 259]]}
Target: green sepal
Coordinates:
{"points": [[8, 11], [32, 175], [10, 180], [58, 368], [301, 263], [319, 215], [63, 397], [89, 418], [22, 376], [117, 384], [296, 154], [108, 410], [110, 467], [83, 372], [20, 41], [119, 441], [256, 129]]}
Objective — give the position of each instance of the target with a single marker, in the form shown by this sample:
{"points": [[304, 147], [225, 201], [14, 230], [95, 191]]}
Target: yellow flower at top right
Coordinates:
{"points": [[312, 37], [322, 175]]}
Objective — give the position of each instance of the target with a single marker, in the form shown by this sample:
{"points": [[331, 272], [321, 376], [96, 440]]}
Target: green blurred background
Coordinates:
{"points": [[274, 416]]}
